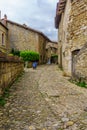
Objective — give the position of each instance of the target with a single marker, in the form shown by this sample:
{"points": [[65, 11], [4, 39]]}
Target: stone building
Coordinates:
{"points": [[71, 21], [80, 64], [3, 38], [51, 49], [22, 37], [10, 66]]}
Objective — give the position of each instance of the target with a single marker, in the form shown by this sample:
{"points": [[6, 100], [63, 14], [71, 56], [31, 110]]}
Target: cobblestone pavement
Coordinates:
{"points": [[43, 99]]}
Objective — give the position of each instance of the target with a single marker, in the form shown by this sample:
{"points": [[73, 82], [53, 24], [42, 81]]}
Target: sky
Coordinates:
{"points": [[37, 14]]}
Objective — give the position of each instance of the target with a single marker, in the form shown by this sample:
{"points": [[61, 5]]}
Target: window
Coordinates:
{"points": [[2, 38]]}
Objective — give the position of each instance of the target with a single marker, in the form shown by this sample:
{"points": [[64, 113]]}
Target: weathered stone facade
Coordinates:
{"points": [[77, 29], [80, 67], [51, 49], [71, 18], [42, 46], [19, 37], [10, 68], [3, 38], [22, 37], [62, 20]]}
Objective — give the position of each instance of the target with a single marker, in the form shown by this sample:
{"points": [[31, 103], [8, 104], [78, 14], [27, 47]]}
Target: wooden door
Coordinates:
{"points": [[74, 54]]}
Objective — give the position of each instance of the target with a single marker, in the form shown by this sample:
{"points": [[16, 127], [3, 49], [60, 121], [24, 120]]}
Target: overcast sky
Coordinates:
{"points": [[38, 14]]}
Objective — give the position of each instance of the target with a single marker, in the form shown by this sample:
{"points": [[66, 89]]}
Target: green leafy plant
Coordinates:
{"points": [[15, 52], [82, 84], [29, 55], [79, 83], [4, 96], [54, 56], [2, 101]]}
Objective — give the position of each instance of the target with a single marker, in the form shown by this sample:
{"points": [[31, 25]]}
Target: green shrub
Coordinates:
{"points": [[54, 56], [81, 84], [2, 101], [15, 52], [5, 95], [29, 55]]}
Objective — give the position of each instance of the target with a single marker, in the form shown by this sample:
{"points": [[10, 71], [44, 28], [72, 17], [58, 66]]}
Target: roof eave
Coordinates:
{"points": [[59, 10], [3, 25], [28, 28]]}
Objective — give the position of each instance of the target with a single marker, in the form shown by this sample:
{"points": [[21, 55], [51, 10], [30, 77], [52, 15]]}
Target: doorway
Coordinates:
{"points": [[61, 57], [74, 54]]}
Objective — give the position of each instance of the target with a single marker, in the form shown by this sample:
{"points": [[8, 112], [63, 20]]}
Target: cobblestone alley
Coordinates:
{"points": [[43, 99]]}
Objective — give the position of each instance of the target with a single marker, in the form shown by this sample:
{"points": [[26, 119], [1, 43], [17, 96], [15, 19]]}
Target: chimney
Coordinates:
{"points": [[5, 17], [4, 20], [24, 25]]}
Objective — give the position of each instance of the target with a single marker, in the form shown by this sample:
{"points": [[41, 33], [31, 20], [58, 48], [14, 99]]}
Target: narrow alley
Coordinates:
{"points": [[43, 99]]}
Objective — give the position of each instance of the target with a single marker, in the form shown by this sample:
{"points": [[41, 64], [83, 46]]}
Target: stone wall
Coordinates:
{"points": [[77, 29], [51, 49], [3, 38], [42, 46], [81, 64], [72, 32], [10, 68], [21, 38], [60, 41], [62, 36]]}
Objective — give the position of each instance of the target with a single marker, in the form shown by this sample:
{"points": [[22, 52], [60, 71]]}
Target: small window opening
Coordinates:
{"points": [[2, 38]]}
